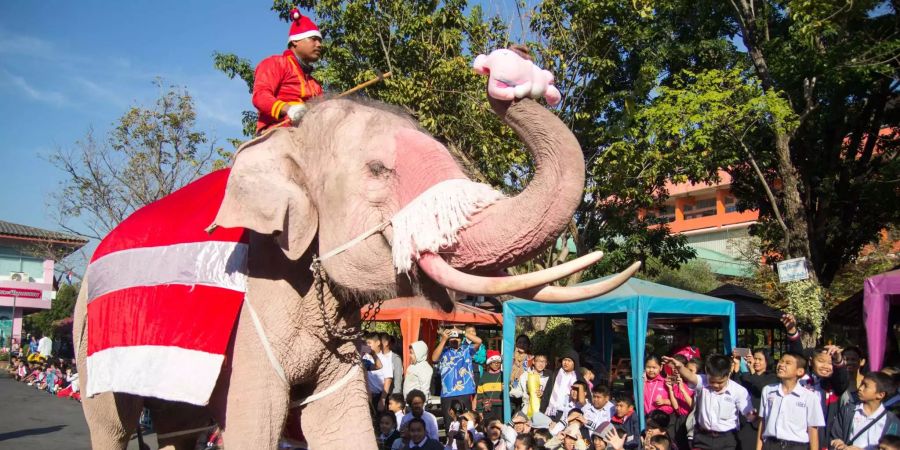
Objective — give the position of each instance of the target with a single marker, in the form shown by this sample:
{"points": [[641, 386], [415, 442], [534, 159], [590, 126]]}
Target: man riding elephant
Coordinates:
{"points": [[284, 83]]}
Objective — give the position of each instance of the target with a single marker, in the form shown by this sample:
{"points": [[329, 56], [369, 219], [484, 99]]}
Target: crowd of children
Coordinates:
{"points": [[811, 399], [55, 376]]}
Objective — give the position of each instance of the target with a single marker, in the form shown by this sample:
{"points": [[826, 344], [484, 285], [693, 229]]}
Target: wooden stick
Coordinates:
{"points": [[364, 85]]}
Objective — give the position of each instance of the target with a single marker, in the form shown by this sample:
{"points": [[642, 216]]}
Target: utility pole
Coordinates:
{"points": [[12, 329]]}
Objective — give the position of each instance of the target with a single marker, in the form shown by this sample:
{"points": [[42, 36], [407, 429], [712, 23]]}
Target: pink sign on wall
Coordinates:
{"points": [[20, 293]]}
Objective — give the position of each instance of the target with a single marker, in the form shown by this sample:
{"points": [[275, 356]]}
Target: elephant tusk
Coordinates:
{"points": [[566, 294], [445, 275]]}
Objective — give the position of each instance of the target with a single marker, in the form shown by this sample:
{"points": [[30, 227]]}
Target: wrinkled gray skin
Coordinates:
{"points": [[346, 168]]}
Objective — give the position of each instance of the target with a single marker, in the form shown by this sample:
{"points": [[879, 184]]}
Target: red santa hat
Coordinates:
{"points": [[302, 27], [493, 355]]}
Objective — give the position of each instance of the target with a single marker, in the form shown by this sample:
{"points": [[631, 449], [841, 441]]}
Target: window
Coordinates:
{"points": [[667, 213], [730, 204], [700, 208]]}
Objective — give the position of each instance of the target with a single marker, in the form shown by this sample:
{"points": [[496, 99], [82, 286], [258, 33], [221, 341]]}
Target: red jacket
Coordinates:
{"points": [[279, 83]]}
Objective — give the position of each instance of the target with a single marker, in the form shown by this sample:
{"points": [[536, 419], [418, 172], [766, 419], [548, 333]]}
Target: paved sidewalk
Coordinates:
{"points": [[35, 420]]}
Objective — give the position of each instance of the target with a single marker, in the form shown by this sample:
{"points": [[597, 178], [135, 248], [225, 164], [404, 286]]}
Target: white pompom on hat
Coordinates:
{"points": [[302, 27]]}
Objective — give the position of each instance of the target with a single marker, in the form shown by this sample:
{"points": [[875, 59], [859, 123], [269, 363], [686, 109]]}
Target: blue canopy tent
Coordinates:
{"points": [[636, 300]]}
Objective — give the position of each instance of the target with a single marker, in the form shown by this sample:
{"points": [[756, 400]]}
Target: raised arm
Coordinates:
{"points": [[472, 337], [685, 373], [436, 354]]}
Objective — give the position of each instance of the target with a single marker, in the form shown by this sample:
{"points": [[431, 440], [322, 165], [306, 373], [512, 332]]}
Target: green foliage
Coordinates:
{"points": [[62, 307], [806, 301], [657, 92], [609, 59], [392, 328], [695, 276], [553, 339]]}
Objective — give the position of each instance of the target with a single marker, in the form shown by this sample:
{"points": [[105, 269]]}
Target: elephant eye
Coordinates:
{"points": [[376, 168]]}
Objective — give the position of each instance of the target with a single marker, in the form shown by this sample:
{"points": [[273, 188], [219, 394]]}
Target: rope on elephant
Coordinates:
{"points": [[265, 342], [185, 432], [330, 390], [354, 241]]}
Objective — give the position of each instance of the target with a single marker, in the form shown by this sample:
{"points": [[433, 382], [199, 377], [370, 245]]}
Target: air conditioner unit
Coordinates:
{"points": [[19, 276]]}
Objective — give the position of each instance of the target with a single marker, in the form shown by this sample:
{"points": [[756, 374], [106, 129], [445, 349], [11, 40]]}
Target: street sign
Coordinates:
{"points": [[21, 293], [792, 270]]}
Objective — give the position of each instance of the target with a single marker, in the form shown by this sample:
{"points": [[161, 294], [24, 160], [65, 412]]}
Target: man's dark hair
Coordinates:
{"points": [[413, 394], [397, 397], [574, 410], [601, 389], [389, 414], [661, 439], [626, 399], [370, 335], [883, 383], [718, 366], [417, 420], [582, 384], [802, 363], [658, 420]]}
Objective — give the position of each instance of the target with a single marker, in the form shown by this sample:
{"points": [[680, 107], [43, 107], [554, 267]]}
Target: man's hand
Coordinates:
{"points": [[296, 112], [790, 323]]}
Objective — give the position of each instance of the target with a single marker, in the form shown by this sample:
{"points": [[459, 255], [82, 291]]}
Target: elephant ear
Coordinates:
{"points": [[266, 193]]}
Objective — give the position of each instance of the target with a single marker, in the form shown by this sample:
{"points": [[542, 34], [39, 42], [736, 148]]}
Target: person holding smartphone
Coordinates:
{"points": [[454, 356]]}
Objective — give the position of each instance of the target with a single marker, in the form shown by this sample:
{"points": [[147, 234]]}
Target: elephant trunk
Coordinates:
{"points": [[514, 230]]}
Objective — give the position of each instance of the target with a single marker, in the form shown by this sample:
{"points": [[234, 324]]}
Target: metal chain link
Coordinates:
{"points": [[320, 277]]}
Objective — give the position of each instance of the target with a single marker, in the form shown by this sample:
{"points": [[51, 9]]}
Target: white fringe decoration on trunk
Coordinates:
{"points": [[430, 221]]}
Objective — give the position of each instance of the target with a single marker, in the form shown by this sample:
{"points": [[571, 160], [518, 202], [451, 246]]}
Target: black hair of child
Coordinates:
{"points": [[883, 383], [413, 394], [397, 397], [389, 415], [718, 366]]}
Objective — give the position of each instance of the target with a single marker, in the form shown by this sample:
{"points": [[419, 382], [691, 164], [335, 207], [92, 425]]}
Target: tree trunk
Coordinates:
{"points": [[794, 209]]}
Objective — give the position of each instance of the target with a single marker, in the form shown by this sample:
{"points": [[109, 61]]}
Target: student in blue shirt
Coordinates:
{"points": [[454, 357]]}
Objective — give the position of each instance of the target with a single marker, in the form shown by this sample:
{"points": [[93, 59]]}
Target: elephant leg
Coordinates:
{"points": [[112, 419], [178, 425], [256, 399], [342, 419]]}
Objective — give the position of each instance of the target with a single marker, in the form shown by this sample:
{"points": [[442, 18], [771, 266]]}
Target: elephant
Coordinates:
{"points": [[333, 185]]}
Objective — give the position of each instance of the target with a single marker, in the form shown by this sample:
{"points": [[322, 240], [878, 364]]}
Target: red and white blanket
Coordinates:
{"points": [[164, 296]]}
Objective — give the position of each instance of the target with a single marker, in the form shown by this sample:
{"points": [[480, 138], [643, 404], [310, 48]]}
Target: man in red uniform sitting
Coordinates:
{"points": [[284, 82]]}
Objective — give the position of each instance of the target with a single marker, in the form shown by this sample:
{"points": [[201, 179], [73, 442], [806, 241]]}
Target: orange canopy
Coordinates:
{"points": [[421, 317]]}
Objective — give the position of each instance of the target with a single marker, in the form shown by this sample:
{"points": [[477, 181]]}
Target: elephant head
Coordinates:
{"points": [[352, 166]]}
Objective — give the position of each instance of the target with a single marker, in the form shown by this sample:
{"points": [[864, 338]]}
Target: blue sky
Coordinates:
{"points": [[68, 66]]}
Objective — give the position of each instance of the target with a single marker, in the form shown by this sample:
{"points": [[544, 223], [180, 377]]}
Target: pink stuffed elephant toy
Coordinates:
{"points": [[512, 76]]}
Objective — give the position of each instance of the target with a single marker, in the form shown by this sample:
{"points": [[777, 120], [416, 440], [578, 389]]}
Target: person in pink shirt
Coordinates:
{"points": [[656, 395]]}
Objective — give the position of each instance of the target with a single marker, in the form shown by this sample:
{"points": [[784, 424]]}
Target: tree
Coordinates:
{"points": [[694, 276], [609, 58], [835, 63], [62, 308], [150, 153], [796, 99]]}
